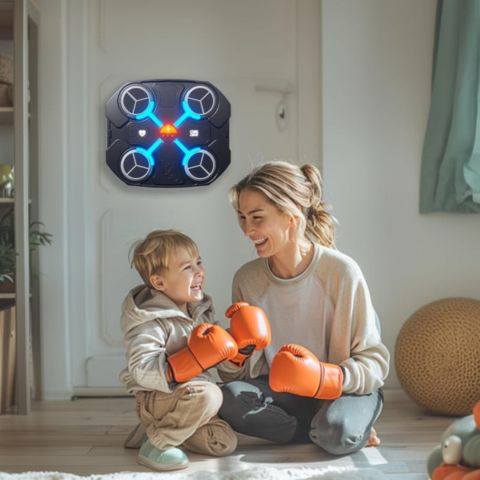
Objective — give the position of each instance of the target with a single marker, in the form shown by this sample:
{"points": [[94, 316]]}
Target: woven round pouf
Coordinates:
{"points": [[437, 356]]}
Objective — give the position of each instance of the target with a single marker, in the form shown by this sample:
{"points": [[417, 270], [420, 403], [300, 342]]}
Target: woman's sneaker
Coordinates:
{"points": [[169, 459]]}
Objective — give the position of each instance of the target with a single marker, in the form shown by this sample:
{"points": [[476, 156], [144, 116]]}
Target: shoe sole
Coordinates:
{"points": [[155, 466]]}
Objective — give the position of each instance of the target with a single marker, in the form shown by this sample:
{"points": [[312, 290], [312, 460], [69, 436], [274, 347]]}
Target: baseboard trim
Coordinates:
{"points": [[395, 395], [92, 392], [55, 395], [390, 394]]}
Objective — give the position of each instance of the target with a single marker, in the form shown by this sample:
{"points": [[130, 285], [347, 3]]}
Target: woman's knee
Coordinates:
{"points": [[246, 409], [343, 426], [338, 439], [236, 402]]}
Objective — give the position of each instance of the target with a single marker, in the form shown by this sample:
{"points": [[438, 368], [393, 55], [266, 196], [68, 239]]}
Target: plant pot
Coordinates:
{"points": [[6, 69], [7, 359], [6, 95], [7, 287]]}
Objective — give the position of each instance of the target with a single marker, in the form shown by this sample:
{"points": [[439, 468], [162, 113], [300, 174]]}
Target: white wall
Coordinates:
{"points": [[376, 64], [251, 51], [376, 67]]}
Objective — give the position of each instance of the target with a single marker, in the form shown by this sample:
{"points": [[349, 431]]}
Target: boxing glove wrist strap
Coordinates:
{"points": [[331, 382], [184, 366]]}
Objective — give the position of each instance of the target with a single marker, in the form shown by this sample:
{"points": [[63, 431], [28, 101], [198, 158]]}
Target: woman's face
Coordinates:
{"points": [[265, 225]]}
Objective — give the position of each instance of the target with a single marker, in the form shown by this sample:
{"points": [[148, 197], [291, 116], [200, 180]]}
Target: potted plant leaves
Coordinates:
{"points": [[37, 238]]}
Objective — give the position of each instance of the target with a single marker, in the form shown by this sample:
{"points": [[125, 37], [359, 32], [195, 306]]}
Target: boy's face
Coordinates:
{"points": [[183, 280]]}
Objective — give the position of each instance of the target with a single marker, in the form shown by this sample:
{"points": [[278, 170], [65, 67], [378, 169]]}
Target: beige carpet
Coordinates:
{"points": [[328, 473]]}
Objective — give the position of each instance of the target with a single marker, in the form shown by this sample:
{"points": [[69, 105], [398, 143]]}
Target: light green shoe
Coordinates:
{"points": [[169, 459]]}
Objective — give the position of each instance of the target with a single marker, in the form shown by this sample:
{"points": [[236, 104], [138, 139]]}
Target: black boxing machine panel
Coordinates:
{"points": [[168, 133]]}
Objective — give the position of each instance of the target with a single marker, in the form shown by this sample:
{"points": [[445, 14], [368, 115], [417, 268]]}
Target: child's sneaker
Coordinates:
{"points": [[169, 459]]}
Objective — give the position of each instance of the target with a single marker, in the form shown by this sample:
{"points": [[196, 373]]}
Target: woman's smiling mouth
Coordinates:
{"points": [[259, 241]]}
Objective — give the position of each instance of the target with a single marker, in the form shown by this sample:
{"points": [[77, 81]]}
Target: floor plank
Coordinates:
{"points": [[86, 436]]}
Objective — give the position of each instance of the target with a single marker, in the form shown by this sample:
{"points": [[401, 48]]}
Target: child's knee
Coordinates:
{"points": [[230, 444], [216, 438], [208, 398], [223, 440]]}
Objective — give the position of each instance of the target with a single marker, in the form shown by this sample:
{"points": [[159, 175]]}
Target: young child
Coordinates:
{"points": [[172, 343]]}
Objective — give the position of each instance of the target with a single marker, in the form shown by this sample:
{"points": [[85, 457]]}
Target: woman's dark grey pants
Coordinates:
{"points": [[339, 426]]}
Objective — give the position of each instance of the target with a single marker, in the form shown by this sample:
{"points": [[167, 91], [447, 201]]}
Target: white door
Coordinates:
{"points": [[264, 57]]}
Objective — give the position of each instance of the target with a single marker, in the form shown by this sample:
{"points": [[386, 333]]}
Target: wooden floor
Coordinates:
{"points": [[85, 436]]}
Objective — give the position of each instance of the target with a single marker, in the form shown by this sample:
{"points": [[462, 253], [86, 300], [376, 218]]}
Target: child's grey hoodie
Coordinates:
{"points": [[154, 327]]}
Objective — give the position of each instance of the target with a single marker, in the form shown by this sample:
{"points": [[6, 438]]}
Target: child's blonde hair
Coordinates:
{"points": [[295, 190], [153, 254]]}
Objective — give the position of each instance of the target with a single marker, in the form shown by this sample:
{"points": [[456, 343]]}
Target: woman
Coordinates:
{"points": [[326, 386]]}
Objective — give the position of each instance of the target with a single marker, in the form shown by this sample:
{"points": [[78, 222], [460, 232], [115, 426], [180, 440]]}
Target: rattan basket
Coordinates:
{"points": [[6, 69], [437, 356]]}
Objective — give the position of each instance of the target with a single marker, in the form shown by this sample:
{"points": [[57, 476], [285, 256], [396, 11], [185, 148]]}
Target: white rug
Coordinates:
{"points": [[328, 473]]}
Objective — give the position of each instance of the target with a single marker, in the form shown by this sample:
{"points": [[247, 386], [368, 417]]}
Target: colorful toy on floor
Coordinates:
{"points": [[458, 456]]}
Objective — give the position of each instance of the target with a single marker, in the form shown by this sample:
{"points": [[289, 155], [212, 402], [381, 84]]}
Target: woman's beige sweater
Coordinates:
{"points": [[327, 308]]}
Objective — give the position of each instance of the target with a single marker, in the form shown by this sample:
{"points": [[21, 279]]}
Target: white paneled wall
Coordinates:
{"points": [[376, 74], [257, 53], [375, 58]]}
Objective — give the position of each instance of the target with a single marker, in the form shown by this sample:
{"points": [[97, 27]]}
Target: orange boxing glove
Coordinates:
{"points": [[473, 475], [295, 369], [207, 345], [250, 328], [453, 472]]}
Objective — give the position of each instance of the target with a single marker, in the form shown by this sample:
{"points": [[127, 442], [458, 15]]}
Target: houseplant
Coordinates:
{"points": [[37, 237]]}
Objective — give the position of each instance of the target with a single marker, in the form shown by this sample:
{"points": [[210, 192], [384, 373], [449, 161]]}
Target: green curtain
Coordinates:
{"points": [[450, 174]]}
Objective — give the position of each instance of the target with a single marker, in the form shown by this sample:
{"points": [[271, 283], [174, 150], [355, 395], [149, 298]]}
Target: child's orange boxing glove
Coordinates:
{"points": [[207, 346], [295, 369], [250, 328]]}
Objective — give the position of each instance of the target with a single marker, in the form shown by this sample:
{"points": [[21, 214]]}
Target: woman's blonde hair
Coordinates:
{"points": [[294, 190], [153, 254]]}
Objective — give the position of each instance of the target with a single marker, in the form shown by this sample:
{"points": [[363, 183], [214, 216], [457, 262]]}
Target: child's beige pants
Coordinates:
{"points": [[187, 417]]}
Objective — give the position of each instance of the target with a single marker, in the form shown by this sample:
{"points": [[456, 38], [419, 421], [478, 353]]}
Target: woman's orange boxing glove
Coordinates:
{"points": [[295, 369], [250, 328]]}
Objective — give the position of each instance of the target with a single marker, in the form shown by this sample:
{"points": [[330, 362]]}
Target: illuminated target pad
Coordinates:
{"points": [[168, 133]]}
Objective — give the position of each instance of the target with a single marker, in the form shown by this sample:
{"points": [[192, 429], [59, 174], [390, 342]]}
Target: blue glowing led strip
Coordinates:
{"points": [[188, 153], [148, 113], [181, 146], [154, 146], [156, 120], [187, 112], [149, 153]]}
